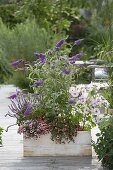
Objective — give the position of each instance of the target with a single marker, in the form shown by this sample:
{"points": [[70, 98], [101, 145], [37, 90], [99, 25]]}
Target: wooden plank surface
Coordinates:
{"points": [[11, 153]]}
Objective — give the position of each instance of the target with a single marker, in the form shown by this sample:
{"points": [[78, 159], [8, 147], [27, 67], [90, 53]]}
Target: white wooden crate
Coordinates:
{"points": [[44, 146]]}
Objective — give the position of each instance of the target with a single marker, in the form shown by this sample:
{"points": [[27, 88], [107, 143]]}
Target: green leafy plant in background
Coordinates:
{"points": [[25, 39], [82, 75], [56, 15], [1, 130], [21, 42], [104, 145], [7, 13], [99, 34], [5, 70]]}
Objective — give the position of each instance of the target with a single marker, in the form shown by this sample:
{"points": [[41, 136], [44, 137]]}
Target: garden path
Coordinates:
{"points": [[11, 153]]}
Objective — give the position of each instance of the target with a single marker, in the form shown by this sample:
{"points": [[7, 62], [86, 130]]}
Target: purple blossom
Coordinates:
{"points": [[73, 58], [78, 42], [71, 101], [16, 63], [14, 95], [41, 57], [28, 110], [41, 61], [66, 71], [72, 61], [59, 44], [38, 83], [78, 55]]}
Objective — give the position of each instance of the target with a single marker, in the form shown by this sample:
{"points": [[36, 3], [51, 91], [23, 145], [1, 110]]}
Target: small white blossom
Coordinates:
{"points": [[86, 110], [74, 92], [95, 111]]}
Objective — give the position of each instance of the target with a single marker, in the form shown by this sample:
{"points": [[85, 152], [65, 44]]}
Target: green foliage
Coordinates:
{"points": [[104, 145], [19, 79], [82, 76], [35, 8], [57, 15], [21, 42], [1, 130], [7, 13], [108, 94], [100, 33], [25, 39], [5, 71]]}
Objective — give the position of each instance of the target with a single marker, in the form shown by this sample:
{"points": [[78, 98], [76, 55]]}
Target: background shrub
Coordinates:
{"points": [[7, 13], [25, 39], [5, 70], [21, 42], [104, 145]]}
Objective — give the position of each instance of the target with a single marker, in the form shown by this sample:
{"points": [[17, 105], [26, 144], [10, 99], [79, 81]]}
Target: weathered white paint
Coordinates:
{"points": [[44, 146]]}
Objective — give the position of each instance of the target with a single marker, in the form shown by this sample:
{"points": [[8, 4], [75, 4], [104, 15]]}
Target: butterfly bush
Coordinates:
{"points": [[55, 106]]}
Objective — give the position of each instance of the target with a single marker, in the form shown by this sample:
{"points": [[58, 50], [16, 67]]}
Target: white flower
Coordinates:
{"points": [[95, 111], [74, 92], [93, 102], [82, 100], [86, 110], [106, 103], [84, 95], [83, 90], [99, 118], [80, 86]]}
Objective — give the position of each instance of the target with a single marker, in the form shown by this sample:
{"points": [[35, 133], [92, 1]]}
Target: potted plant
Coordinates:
{"points": [[104, 145], [56, 118]]}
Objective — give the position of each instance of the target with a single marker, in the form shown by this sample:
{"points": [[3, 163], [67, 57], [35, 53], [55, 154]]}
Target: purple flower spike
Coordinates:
{"points": [[78, 42], [78, 55], [14, 95], [71, 101], [73, 58], [66, 71], [42, 56], [72, 61], [28, 110], [60, 43], [16, 63], [38, 83]]}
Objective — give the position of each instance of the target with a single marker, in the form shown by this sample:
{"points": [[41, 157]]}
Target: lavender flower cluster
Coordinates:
{"points": [[21, 107], [19, 104]]}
